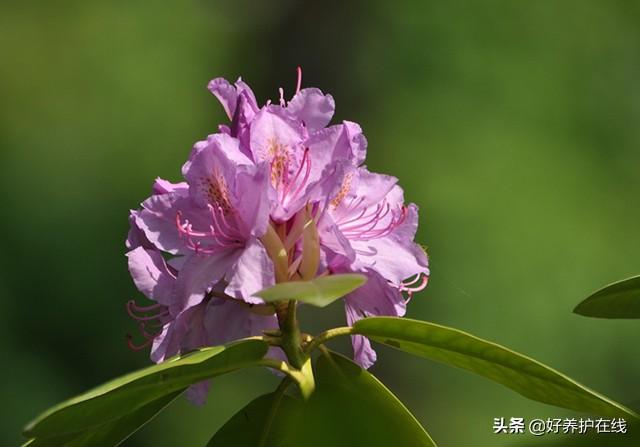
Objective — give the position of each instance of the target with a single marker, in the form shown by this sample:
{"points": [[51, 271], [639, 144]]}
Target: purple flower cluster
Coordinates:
{"points": [[277, 195]]}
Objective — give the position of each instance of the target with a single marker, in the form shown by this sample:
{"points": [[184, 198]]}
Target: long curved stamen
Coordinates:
{"points": [[306, 161], [288, 185], [132, 308], [146, 334], [370, 229], [354, 203], [392, 225], [217, 229], [373, 219], [410, 282], [156, 320], [404, 286], [137, 308], [299, 83], [135, 347], [354, 219], [218, 232]]}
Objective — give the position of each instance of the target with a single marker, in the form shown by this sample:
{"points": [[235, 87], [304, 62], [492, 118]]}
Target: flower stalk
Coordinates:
{"points": [[291, 339]]}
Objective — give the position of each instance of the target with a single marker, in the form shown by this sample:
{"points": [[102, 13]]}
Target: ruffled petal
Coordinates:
{"points": [[375, 298], [252, 272], [136, 237], [200, 273], [254, 197], [313, 107], [357, 141], [157, 220], [151, 275], [172, 340], [363, 353], [161, 186], [396, 257], [226, 94]]}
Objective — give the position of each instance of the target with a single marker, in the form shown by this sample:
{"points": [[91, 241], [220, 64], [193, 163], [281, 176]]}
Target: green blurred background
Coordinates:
{"points": [[513, 125]]}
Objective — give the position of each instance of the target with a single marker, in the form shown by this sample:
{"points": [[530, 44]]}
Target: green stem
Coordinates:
{"points": [[327, 335], [291, 338], [282, 366]]}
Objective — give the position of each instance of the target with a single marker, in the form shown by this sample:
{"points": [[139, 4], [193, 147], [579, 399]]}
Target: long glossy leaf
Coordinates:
{"points": [[261, 423], [350, 407], [528, 377], [618, 300], [111, 433], [135, 390], [319, 292]]}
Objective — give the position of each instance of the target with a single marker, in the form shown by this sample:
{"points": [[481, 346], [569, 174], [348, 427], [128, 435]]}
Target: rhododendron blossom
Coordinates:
{"points": [[277, 195]]}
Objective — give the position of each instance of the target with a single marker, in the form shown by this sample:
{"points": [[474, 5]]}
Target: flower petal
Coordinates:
{"points": [[313, 107], [375, 298], [357, 141], [363, 353], [161, 186], [396, 257], [252, 272], [151, 275], [199, 273], [157, 220]]}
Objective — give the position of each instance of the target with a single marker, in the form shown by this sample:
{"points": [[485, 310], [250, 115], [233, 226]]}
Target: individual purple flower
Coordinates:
{"points": [[216, 320], [276, 195]]}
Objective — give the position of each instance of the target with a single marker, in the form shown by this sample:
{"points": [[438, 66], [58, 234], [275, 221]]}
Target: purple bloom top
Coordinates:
{"points": [[277, 195]]}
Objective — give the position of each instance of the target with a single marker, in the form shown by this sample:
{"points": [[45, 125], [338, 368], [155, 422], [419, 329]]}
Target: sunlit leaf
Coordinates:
{"points": [[350, 407], [318, 292], [618, 300], [111, 433], [136, 391], [528, 377]]}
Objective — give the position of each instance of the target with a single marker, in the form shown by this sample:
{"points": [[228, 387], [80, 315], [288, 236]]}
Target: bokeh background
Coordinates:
{"points": [[513, 125]]}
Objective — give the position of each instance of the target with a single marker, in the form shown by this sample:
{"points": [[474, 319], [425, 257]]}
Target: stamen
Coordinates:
{"points": [[372, 222], [130, 310], [358, 217], [410, 282], [306, 160], [134, 347], [216, 229], [404, 287], [137, 308], [369, 229], [282, 102], [222, 233], [299, 83], [146, 334]]}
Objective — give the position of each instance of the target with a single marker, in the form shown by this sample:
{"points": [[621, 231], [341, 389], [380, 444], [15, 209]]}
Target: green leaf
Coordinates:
{"points": [[261, 423], [618, 300], [137, 390], [528, 377], [111, 433], [350, 407], [318, 292]]}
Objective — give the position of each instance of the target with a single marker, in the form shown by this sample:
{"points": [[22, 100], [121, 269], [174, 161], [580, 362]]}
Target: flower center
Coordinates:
{"points": [[294, 246], [216, 191]]}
